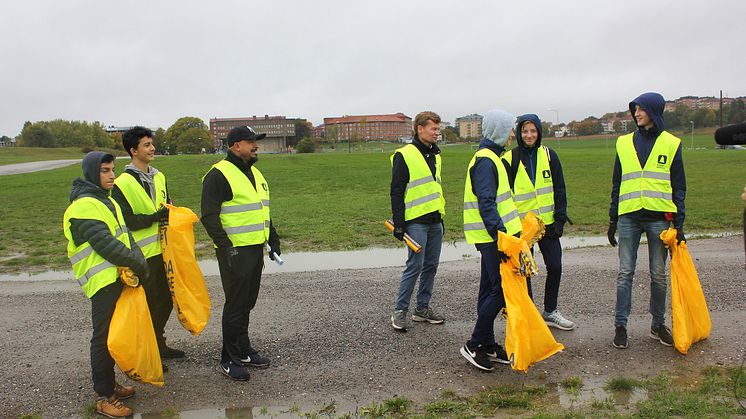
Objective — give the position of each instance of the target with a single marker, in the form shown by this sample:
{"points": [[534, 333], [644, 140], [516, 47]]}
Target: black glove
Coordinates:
{"points": [[141, 269], [399, 233], [559, 229], [502, 256], [274, 247], [611, 233], [680, 236], [231, 256], [161, 214]]}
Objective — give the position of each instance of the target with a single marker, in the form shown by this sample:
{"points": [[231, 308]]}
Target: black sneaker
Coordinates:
{"points": [[497, 354], [477, 356], [662, 334], [170, 353], [234, 371], [620, 337], [256, 360]]}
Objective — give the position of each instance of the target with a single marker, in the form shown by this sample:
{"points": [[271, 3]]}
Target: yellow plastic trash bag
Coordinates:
{"points": [[527, 337], [131, 339], [185, 280], [691, 319]]}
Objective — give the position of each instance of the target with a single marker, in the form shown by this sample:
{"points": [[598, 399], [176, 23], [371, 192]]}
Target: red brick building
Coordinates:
{"points": [[390, 127]]}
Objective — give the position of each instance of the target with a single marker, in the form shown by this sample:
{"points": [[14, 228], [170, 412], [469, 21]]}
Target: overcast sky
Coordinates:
{"points": [[151, 62]]}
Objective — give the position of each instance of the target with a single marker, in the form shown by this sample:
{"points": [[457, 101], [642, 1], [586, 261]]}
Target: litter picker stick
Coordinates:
{"points": [[278, 260], [407, 238]]}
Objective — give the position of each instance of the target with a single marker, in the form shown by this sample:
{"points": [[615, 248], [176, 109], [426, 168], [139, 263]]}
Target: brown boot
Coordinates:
{"points": [[123, 392], [112, 407]]}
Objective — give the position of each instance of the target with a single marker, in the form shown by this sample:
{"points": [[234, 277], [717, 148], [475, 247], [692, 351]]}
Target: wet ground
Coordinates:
{"points": [[329, 338]]}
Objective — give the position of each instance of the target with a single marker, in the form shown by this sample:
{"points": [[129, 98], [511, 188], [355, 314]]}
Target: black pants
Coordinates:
{"points": [[490, 299], [552, 252], [103, 303], [241, 287], [158, 295]]}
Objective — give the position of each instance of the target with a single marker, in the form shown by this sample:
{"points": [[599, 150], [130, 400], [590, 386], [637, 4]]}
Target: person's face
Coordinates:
{"points": [[529, 134], [429, 133], [511, 137], [106, 175], [145, 150], [245, 149], [642, 118]]}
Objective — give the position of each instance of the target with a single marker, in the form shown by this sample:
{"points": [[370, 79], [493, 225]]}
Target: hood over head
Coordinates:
{"points": [[529, 117], [654, 104], [497, 125], [92, 166]]}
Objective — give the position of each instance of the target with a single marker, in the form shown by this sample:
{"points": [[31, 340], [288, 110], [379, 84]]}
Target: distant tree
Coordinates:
{"points": [[546, 129], [117, 138], [449, 134], [158, 138], [306, 145], [303, 129], [735, 113], [171, 137], [589, 126], [194, 141], [331, 133], [37, 135]]}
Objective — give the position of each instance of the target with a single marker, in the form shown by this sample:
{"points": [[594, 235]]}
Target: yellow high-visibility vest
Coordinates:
{"points": [[474, 228], [537, 198], [648, 187], [424, 193], [91, 270], [141, 203], [245, 217]]}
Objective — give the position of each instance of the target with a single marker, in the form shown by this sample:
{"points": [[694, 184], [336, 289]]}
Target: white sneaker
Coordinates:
{"points": [[555, 319]]}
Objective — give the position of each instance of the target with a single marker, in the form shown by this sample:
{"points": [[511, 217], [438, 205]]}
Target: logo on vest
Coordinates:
{"points": [[662, 159], [546, 174], [264, 186]]}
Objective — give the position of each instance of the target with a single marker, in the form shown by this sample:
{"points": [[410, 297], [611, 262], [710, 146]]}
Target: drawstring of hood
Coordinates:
{"points": [[145, 178]]}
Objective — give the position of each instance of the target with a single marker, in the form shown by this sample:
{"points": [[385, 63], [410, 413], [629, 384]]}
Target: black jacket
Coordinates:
{"points": [[215, 191], [135, 221], [399, 180], [97, 233]]}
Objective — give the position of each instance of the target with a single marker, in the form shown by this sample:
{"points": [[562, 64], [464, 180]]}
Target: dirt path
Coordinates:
{"points": [[329, 337]]}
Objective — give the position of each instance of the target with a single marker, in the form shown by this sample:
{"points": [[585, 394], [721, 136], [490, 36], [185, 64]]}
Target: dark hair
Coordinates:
{"points": [[108, 158], [131, 138]]}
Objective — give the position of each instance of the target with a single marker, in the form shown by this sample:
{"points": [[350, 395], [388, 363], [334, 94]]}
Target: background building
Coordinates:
{"points": [[470, 127], [278, 129], [390, 127]]}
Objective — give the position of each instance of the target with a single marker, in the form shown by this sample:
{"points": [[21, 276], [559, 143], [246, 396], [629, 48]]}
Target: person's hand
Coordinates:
{"points": [[502, 256], [399, 233], [611, 233], [161, 214], [559, 229], [274, 247], [680, 236], [141, 269]]}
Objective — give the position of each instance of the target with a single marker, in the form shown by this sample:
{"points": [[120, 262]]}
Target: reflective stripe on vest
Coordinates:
{"points": [[474, 228], [423, 194], [648, 187], [245, 217], [91, 270], [142, 204], [537, 198]]}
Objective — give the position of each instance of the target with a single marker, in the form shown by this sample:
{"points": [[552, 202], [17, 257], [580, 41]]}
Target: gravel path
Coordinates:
{"points": [[329, 336]]}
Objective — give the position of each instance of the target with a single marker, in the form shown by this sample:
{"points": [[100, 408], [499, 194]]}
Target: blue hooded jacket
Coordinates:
{"points": [[643, 141], [527, 155]]}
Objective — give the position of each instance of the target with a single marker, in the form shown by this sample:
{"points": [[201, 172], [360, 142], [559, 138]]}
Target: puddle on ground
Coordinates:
{"points": [[593, 391], [374, 257], [248, 412]]}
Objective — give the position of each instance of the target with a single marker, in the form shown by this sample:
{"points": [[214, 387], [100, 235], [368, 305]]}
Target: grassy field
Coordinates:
{"points": [[12, 155], [338, 200]]}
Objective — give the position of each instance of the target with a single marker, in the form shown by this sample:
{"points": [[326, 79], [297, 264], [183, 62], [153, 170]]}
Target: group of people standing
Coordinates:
{"points": [[113, 222], [648, 192]]}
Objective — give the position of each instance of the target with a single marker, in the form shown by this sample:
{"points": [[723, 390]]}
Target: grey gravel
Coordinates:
{"points": [[329, 336]]}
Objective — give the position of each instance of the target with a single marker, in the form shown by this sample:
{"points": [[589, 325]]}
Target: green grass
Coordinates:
{"points": [[338, 201], [621, 384], [12, 155], [572, 384]]}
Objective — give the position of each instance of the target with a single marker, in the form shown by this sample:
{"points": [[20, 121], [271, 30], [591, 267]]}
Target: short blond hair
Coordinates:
{"points": [[422, 118]]}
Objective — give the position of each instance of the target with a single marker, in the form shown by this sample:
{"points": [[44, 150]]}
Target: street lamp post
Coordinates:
{"points": [[556, 115], [692, 122]]}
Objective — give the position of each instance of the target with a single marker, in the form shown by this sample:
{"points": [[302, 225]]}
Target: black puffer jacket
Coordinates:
{"points": [[97, 232]]}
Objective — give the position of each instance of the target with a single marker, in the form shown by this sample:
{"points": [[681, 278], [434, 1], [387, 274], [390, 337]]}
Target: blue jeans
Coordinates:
{"points": [[630, 231], [422, 265]]}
